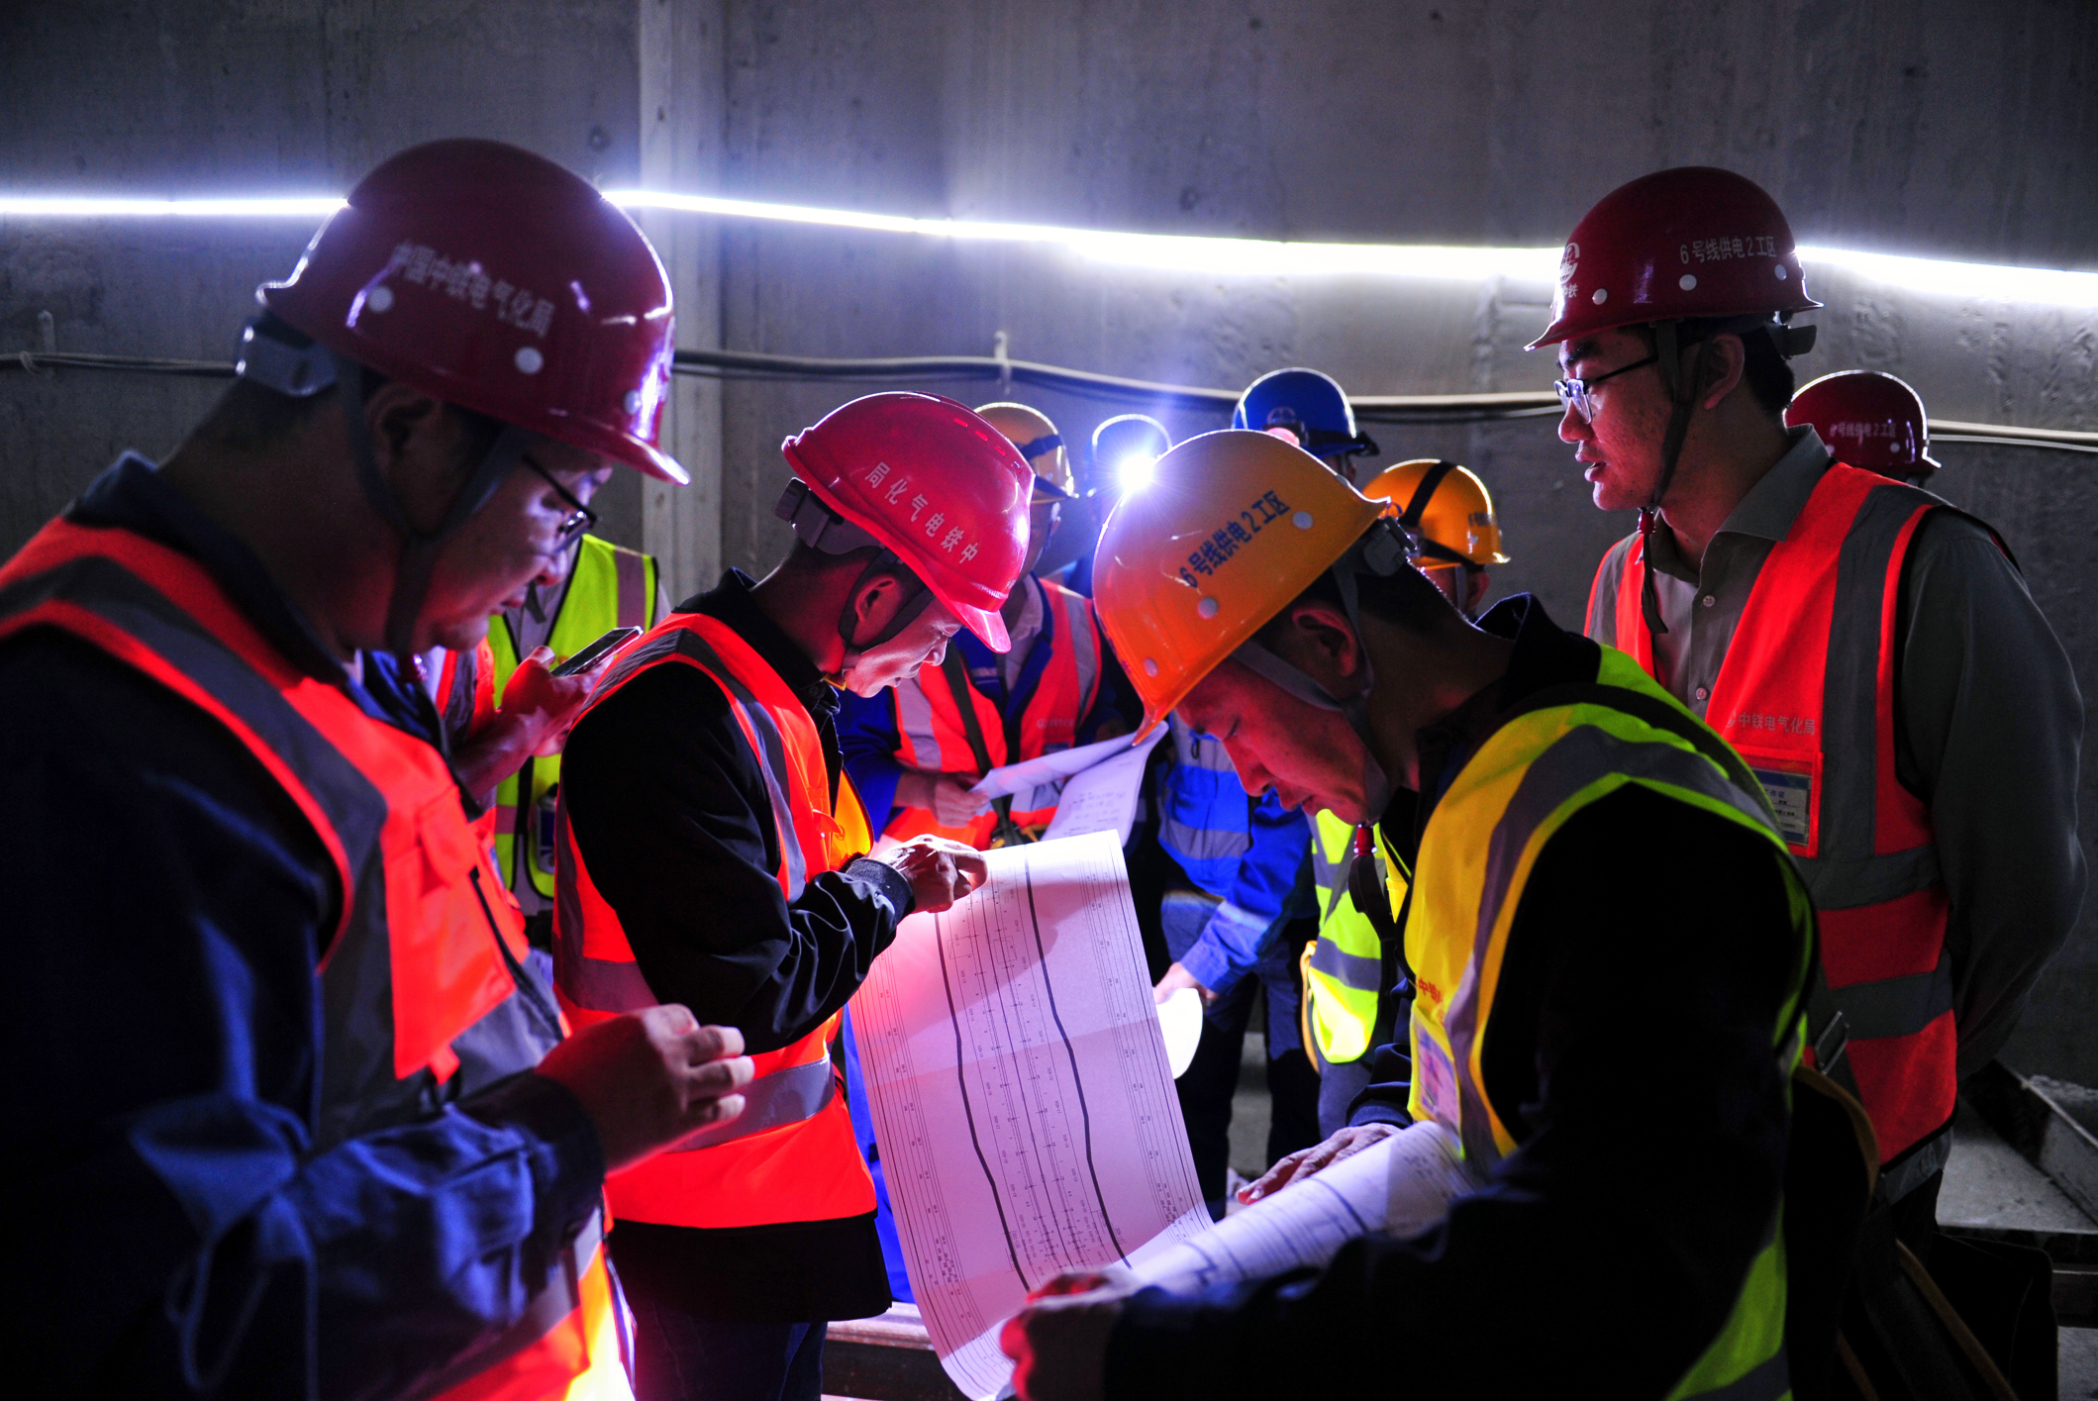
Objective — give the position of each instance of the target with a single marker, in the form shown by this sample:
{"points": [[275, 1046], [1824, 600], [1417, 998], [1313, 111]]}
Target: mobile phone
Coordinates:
{"points": [[593, 654]]}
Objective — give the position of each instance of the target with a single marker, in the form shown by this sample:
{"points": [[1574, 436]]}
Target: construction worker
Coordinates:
{"points": [[1566, 1031], [914, 751], [1247, 855], [582, 594], [1868, 419], [1307, 408], [1453, 538], [1123, 449], [271, 1102], [712, 843], [1872, 652]]}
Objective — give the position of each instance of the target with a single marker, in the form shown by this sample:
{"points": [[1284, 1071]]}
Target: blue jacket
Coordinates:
{"points": [[1247, 852], [176, 1232]]}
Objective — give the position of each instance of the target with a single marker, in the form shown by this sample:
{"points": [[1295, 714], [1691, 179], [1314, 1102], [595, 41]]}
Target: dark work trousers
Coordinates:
{"points": [[1338, 1086], [1207, 1088], [680, 1357]]}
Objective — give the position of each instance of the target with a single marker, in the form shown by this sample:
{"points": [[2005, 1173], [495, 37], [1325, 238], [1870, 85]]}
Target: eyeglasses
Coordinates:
{"points": [[1579, 394], [577, 521]]}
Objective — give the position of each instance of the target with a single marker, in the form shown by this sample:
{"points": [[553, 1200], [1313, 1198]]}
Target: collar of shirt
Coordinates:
{"points": [[1770, 507], [130, 495], [730, 601]]}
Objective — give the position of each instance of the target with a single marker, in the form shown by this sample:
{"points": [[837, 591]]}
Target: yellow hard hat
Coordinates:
{"points": [[1447, 507], [1232, 526], [1039, 442]]}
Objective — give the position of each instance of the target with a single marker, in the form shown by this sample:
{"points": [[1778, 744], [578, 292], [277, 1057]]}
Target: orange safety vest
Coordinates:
{"points": [[791, 1155], [1806, 694], [420, 983], [931, 734]]}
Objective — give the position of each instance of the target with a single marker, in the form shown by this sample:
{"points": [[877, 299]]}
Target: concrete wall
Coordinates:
{"points": [[267, 97], [1959, 130]]}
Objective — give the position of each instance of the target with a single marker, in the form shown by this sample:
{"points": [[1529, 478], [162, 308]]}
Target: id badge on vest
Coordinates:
{"points": [[1793, 784], [1435, 1076]]}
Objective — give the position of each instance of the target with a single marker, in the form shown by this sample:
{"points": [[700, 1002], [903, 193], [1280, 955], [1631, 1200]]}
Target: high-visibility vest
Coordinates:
{"points": [[931, 735], [791, 1154], [422, 989], [1572, 746], [1344, 965], [610, 587], [1806, 694]]}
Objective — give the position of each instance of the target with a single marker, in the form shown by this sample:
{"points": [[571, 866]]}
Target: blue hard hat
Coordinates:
{"points": [[1310, 405]]}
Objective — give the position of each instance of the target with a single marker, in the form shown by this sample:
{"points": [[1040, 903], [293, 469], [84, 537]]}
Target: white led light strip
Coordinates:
{"points": [[1185, 253]]}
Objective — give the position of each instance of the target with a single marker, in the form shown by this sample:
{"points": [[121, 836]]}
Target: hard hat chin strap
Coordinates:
{"points": [[1381, 551], [419, 549], [1682, 398], [906, 613], [826, 532], [1416, 507]]}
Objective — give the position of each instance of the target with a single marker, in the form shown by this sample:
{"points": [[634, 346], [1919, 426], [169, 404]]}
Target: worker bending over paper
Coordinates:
{"points": [[1608, 944], [916, 750]]}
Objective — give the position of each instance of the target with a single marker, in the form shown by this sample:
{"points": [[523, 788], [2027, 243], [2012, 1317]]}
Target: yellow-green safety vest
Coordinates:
{"points": [[1568, 747], [611, 587], [1344, 966]]}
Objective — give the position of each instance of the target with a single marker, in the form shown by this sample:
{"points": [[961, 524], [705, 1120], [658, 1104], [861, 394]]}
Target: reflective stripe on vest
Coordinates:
{"points": [[791, 1155], [1204, 815], [1806, 693], [930, 734], [424, 999], [1344, 966], [1482, 840], [610, 587]]}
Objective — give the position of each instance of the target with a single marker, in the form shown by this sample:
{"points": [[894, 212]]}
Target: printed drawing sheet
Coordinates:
{"points": [[1400, 1184], [1021, 1095]]}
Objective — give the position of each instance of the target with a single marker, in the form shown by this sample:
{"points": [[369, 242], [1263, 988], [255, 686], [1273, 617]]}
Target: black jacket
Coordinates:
{"points": [[668, 807], [1629, 1054]]}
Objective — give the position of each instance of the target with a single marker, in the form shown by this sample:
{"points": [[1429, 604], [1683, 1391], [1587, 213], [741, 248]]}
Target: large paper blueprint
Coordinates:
{"points": [[1401, 1184], [1021, 1096]]}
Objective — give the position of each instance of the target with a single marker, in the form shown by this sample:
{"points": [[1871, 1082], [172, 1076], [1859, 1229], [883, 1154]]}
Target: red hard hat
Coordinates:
{"points": [[1867, 419], [496, 280], [1693, 242], [943, 489]]}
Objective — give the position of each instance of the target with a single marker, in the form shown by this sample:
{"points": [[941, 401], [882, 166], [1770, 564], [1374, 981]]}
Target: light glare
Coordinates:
{"points": [[1241, 257], [95, 207], [1135, 471]]}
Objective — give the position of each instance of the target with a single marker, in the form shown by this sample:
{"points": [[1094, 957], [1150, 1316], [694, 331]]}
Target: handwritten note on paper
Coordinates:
{"points": [[1021, 1094], [1103, 797]]}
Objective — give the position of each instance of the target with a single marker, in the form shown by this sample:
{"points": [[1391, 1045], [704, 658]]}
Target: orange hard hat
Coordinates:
{"points": [[1039, 442], [1445, 508], [933, 483], [1232, 527]]}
